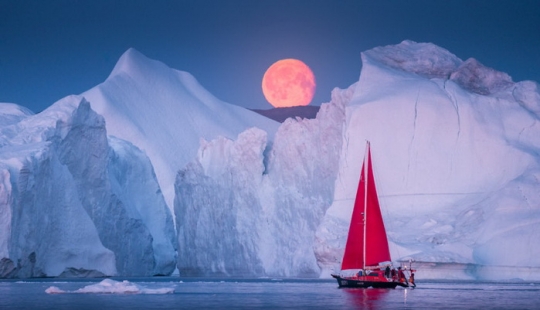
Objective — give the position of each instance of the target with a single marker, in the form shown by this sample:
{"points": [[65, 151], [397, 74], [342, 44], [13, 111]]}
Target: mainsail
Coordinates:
{"points": [[367, 244]]}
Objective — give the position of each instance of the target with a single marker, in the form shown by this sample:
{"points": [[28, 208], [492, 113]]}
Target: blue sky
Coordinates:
{"points": [[50, 49]]}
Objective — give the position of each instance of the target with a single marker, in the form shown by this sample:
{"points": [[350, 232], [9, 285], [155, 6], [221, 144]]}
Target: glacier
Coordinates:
{"points": [[148, 172]]}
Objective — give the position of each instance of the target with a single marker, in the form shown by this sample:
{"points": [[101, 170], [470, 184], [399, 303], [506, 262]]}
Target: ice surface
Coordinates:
{"points": [[109, 286]]}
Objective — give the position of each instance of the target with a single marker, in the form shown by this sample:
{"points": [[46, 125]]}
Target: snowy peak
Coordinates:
{"points": [[132, 61], [477, 78], [11, 113], [156, 82], [431, 61], [425, 59]]}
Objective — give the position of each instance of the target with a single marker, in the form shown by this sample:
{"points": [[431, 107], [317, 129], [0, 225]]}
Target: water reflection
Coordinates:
{"points": [[405, 296], [367, 298]]}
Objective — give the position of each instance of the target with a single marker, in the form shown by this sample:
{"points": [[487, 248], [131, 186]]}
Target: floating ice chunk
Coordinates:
{"points": [[54, 290], [109, 286]]}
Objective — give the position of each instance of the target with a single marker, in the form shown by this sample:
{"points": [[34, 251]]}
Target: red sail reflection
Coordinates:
{"points": [[366, 298]]}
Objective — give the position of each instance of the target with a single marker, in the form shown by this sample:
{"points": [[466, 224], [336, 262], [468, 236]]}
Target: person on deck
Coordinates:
{"points": [[411, 279], [401, 276], [387, 272]]}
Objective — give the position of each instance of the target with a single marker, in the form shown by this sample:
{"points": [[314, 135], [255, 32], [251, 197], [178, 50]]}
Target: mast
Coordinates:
{"points": [[366, 164]]}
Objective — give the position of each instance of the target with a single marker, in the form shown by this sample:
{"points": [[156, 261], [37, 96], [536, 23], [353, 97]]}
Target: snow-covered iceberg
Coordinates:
{"points": [[74, 202], [456, 151]]}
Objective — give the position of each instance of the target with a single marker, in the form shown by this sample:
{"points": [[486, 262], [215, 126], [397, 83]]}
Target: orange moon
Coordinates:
{"points": [[288, 83]]}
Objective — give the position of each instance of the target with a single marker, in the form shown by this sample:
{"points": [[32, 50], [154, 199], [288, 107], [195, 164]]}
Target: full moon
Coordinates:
{"points": [[288, 83]]}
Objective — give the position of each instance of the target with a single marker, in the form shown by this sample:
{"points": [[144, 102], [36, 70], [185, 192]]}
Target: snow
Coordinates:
{"points": [[88, 185], [109, 286], [11, 113]]}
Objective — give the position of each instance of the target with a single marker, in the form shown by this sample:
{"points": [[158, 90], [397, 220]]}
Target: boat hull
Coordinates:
{"points": [[365, 283]]}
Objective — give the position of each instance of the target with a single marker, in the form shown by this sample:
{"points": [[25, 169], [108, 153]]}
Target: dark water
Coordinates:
{"points": [[272, 294]]}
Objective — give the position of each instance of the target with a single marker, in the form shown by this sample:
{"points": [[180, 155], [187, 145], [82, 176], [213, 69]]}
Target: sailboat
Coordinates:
{"points": [[366, 261]]}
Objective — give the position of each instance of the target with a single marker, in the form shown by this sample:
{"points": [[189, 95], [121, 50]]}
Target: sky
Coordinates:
{"points": [[51, 49]]}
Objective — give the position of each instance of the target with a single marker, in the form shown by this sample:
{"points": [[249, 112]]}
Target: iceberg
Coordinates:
{"points": [[70, 204], [458, 158]]}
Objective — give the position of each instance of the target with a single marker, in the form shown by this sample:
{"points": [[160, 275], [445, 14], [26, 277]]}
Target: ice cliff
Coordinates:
{"points": [[74, 202], [240, 211]]}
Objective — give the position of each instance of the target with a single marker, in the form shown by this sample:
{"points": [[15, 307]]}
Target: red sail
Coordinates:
{"points": [[376, 246]]}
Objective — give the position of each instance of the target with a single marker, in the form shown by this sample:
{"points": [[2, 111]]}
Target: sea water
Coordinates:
{"points": [[181, 293]]}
